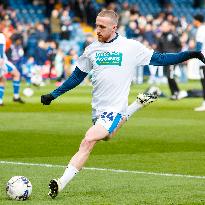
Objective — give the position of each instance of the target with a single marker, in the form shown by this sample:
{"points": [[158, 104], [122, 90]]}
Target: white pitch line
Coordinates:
{"points": [[104, 169]]}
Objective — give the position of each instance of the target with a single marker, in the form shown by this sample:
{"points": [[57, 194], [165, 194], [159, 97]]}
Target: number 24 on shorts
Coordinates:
{"points": [[108, 115]]}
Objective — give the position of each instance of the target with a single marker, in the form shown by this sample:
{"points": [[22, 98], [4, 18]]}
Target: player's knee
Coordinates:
{"points": [[87, 145]]}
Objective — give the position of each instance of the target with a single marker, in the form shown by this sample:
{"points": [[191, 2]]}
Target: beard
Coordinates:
{"points": [[102, 38]]}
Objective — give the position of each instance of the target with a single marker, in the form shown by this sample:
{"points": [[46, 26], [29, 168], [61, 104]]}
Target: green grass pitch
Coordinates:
{"points": [[166, 137]]}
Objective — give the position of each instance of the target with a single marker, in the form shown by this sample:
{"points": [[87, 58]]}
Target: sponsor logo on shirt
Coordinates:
{"points": [[109, 58]]}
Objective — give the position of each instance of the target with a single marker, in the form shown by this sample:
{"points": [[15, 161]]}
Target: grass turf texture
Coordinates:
{"points": [[165, 137]]}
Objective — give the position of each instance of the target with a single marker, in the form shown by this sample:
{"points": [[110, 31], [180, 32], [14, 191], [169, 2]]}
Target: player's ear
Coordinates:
{"points": [[114, 27]]}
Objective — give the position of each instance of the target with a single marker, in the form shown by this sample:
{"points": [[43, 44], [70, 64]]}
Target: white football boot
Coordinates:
{"points": [[146, 98]]}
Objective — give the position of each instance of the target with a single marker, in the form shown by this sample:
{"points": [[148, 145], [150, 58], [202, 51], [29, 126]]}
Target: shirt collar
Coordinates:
{"points": [[112, 39]]}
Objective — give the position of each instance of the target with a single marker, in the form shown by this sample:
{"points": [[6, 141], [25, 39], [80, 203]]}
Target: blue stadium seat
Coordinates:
{"points": [[26, 12]]}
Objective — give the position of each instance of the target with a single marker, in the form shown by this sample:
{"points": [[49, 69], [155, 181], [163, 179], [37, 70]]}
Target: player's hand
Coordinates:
{"points": [[202, 57], [46, 99]]}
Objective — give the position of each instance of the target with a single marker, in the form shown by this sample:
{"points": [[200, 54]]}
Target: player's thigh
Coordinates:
{"points": [[110, 121], [96, 132], [123, 120]]}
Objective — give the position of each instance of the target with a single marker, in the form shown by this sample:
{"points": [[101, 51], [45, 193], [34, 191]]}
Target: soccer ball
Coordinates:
{"points": [[19, 188], [28, 92]]}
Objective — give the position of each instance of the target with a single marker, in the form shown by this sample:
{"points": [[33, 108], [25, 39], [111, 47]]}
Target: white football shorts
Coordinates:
{"points": [[7, 68], [109, 120]]}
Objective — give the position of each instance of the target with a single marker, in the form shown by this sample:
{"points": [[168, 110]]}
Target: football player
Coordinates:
{"points": [[8, 67], [113, 59]]}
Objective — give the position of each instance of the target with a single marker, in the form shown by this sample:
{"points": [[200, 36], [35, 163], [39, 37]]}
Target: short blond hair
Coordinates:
{"points": [[111, 14]]}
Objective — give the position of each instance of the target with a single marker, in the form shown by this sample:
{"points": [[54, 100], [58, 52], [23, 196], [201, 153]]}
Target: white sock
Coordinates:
{"points": [[68, 175], [1, 101], [132, 109], [16, 96]]}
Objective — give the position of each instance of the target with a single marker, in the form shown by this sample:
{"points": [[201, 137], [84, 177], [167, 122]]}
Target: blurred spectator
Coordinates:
{"points": [[149, 36], [125, 14], [51, 53], [73, 57], [55, 25], [79, 8], [91, 12], [89, 39], [65, 24], [49, 7], [28, 68], [59, 66], [32, 42], [41, 32], [16, 53], [18, 33], [131, 30], [41, 53], [112, 6], [169, 42], [13, 18]]}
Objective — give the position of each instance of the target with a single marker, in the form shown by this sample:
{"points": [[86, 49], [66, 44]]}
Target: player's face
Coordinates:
{"points": [[105, 28]]}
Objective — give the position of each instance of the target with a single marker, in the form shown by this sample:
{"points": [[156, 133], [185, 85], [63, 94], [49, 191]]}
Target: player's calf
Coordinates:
{"points": [[142, 100]]}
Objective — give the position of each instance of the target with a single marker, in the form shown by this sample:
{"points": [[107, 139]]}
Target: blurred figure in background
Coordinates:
{"points": [[59, 66], [51, 53], [169, 42], [65, 24], [41, 53], [41, 32], [16, 53], [200, 46], [55, 25], [8, 67], [28, 68]]}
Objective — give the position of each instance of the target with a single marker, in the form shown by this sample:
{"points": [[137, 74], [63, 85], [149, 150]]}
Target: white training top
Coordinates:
{"points": [[200, 36], [113, 66], [3, 43]]}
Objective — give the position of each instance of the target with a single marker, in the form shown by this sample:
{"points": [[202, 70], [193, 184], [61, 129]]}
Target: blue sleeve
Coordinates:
{"points": [[199, 46], [1, 50], [75, 79], [163, 59]]}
